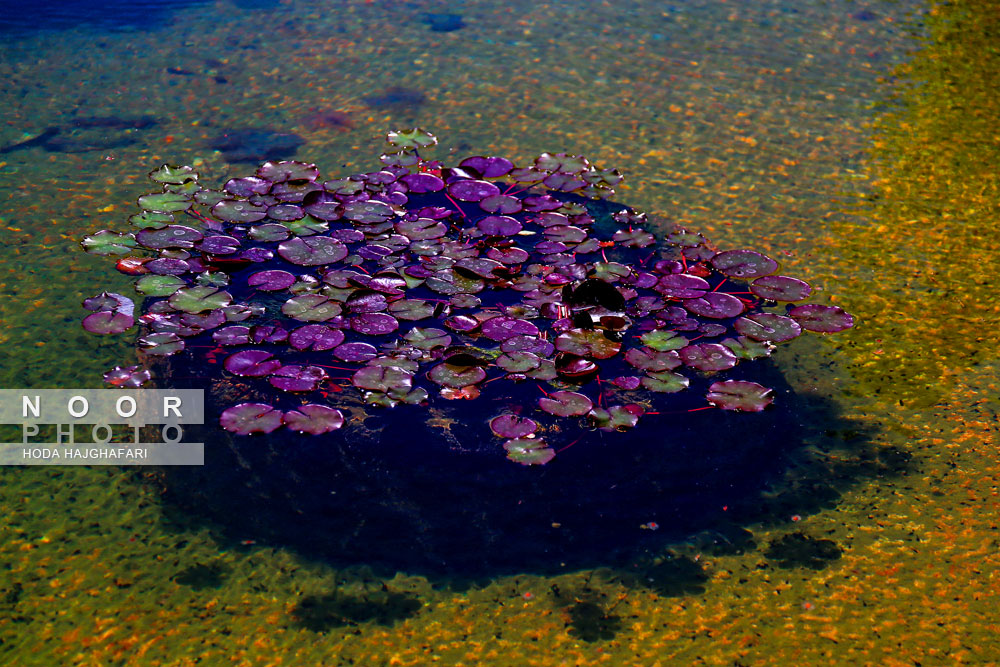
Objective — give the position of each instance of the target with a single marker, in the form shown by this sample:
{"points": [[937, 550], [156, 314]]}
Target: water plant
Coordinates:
{"points": [[420, 284]]}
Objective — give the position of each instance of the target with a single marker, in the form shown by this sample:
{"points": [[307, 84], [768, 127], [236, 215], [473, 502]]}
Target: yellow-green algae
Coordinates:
{"points": [[91, 564]]}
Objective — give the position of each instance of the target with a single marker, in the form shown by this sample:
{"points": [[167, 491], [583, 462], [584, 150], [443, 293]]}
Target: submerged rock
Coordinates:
{"points": [[256, 144]]}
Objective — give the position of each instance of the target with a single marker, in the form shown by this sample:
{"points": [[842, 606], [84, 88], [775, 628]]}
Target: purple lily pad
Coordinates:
{"points": [[503, 204], [171, 236], [311, 308], [269, 233], [565, 404], [499, 225], [421, 229], [420, 183], [502, 327], [247, 418], [219, 245], [768, 326], [368, 212], [252, 363], [707, 357], [232, 335], [167, 266], [374, 324], [314, 419], [512, 426], [648, 359], [740, 395], [355, 352], [488, 167], [518, 362], [161, 344], [587, 343], [105, 322], [822, 319], [315, 337], [682, 286], [780, 288], [427, 338], [456, 377], [627, 382], [312, 250], [298, 378], [743, 264], [128, 377], [533, 344], [271, 281], [383, 378], [472, 190], [716, 305]]}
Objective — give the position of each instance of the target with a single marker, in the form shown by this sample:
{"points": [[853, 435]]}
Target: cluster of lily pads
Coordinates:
{"points": [[418, 282]]}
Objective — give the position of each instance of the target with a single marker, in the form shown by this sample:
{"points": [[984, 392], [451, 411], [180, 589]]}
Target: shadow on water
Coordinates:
{"points": [[408, 491]]}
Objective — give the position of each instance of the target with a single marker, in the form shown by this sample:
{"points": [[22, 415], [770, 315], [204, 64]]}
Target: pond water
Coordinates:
{"points": [[855, 142]]}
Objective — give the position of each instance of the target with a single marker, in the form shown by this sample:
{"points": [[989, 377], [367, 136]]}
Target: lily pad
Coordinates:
{"points": [[297, 378], [311, 308], [165, 202], [427, 338], [312, 250], [565, 404], [383, 378], [315, 338], [456, 377], [199, 298], [128, 377], [161, 344], [682, 286], [502, 327], [716, 305], [247, 418], [271, 281], [239, 210], [740, 395], [512, 426], [374, 324], [707, 357], [780, 288], [768, 327], [252, 363], [745, 264], [171, 236], [314, 419], [665, 382], [663, 341], [106, 322], [472, 190], [587, 343], [107, 242], [529, 451], [355, 352], [153, 285], [822, 319], [411, 139], [499, 225]]}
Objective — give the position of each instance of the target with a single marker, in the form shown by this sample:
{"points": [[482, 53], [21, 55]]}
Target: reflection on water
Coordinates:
{"points": [[746, 121]]}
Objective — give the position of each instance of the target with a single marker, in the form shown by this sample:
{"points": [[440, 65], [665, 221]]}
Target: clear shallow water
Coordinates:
{"points": [[752, 124]]}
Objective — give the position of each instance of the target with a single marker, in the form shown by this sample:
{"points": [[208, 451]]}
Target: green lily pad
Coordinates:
{"points": [[565, 404], [748, 348], [739, 395], [529, 451], [456, 377], [198, 299], [427, 338], [165, 202], [411, 309], [153, 285], [311, 308], [173, 175], [411, 139], [662, 341], [665, 382], [151, 220], [107, 242], [588, 343]]}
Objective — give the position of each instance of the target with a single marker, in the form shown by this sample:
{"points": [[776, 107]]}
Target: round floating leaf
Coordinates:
{"points": [[488, 167], [420, 183], [665, 382], [271, 281], [297, 378], [198, 299], [743, 264], [161, 344], [533, 344], [421, 229], [314, 419], [230, 336], [108, 322], [107, 242], [740, 395], [411, 309], [456, 377], [587, 343], [707, 357], [312, 250], [472, 190], [288, 170], [512, 426], [248, 186], [247, 418], [502, 204], [411, 139], [427, 338], [682, 286], [628, 382], [768, 326], [315, 337], [383, 378], [173, 175], [165, 202], [171, 236], [662, 341], [634, 238], [565, 404], [716, 305], [501, 328], [822, 319], [368, 212], [165, 266], [311, 308], [152, 285], [650, 360], [269, 233], [374, 324], [356, 352], [129, 377], [780, 288], [252, 363], [499, 225], [239, 210], [110, 301], [518, 362], [529, 451], [219, 245]]}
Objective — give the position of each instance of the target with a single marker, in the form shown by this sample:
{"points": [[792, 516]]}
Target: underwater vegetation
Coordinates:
{"points": [[256, 144], [420, 283]]}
